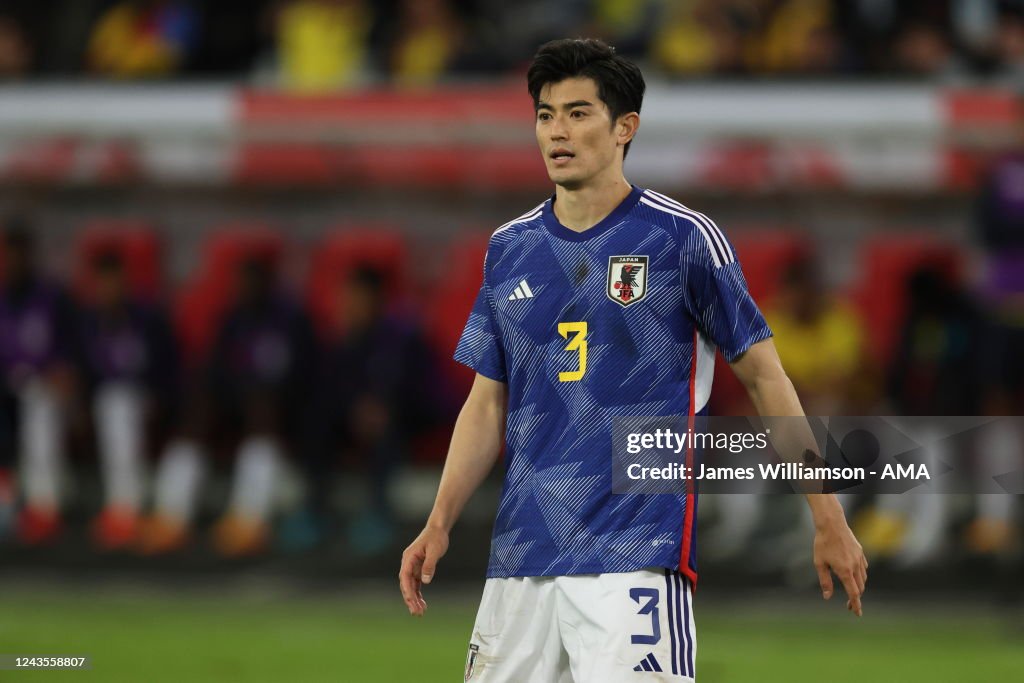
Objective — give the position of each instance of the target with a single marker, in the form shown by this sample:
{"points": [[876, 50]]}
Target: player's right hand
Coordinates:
{"points": [[419, 562]]}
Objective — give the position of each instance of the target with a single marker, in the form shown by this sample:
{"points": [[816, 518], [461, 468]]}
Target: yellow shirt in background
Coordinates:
{"points": [[815, 356], [321, 45], [118, 46]]}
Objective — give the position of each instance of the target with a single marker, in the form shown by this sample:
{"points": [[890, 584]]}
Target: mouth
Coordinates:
{"points": [[561, 156]]}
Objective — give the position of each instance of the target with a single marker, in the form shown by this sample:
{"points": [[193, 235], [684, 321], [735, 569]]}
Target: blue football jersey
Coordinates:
{"points": [[622, 319]]}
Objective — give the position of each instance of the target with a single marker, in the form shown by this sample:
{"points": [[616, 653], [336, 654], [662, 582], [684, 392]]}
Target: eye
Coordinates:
{"points": [[543, 116], [578, 114]]}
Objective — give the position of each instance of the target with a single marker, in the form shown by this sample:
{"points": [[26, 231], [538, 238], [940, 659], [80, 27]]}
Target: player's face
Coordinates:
{"points": [[575, 132]]}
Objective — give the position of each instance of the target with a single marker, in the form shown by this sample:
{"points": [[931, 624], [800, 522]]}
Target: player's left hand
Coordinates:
{"points": [[836, 550]]}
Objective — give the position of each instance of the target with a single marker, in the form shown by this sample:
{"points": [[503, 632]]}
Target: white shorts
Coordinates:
{"points": [[591, 628]]}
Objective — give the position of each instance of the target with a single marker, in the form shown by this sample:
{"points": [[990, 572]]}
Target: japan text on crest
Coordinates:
{"points": [[627, 279]]}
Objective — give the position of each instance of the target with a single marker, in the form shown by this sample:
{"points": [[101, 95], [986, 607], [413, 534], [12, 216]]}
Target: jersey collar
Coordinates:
{"points": [[609, 221]]}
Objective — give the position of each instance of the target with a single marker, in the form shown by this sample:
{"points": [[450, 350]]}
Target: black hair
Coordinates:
{"points": [[930, 289], [370, 277], [620, 85], [800, 271], [257, 267]]}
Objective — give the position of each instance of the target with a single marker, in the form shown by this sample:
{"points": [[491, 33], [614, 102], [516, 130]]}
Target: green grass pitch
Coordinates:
{"points": [[366, 636]]}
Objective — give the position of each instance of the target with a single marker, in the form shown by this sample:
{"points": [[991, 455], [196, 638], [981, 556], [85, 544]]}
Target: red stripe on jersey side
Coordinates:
{"points": [[684, 551]]}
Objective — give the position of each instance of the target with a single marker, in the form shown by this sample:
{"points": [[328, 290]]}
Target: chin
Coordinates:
{"points": [[567, 180]]}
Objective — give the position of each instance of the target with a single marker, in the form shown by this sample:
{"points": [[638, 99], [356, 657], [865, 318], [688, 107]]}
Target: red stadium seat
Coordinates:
{"points": [[451, 299], [347, 247], [446, 305], [137, 244], [201, 300], [886, 261]]}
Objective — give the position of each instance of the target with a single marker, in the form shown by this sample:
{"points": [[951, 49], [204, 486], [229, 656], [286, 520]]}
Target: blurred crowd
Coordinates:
{"points": [[102, 366], [326, 45], [956, 348], [956, 351]]}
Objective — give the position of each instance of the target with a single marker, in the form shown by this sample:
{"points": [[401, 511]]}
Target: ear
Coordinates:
{"points": [[627, 126]]}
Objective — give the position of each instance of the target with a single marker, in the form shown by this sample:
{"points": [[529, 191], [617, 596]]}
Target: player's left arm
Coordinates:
{"points": [[836, 549]]}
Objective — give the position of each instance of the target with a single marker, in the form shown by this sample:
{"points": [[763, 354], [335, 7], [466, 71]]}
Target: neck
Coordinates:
{"points": [[584, 207]]}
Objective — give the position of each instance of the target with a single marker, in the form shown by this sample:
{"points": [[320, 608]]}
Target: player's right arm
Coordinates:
{"points": [[475, 446]]}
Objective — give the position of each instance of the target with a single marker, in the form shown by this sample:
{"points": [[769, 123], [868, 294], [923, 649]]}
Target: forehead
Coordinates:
{"points": [[570, 90]]}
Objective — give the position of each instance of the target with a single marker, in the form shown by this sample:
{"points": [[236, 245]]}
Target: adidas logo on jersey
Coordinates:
{"points": [[522, 291], [649, 663]]}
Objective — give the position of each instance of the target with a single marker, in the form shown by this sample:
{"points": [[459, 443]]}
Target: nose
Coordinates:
{"points": [[557, 130]]}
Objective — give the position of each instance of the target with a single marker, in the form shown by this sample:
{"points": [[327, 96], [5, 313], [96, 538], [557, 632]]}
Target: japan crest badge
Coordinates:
{"points": [[627, 279]]}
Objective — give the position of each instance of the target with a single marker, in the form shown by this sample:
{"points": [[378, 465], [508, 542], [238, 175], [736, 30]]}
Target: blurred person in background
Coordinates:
{"points": [[258, 379], [923, 42], [179, 476], [628, 24], [865, 28], [983, 34], [373, 393], [130, 374], [1009, 47], [427, 42], [934, 371], [15, 49], [820, 340], [999, 221], [923, 49], [696, 38], [143, 39], [37, 381], [322, 45], [741, 37], [182, 467], [500, 35], [800, 37]]}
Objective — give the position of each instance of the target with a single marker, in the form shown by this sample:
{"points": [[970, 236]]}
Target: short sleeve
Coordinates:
{"points": [[716, 295], [480, 346]]}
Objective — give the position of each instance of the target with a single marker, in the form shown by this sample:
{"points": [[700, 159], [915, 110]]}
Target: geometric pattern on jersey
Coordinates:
{"points": [[654, 357]]}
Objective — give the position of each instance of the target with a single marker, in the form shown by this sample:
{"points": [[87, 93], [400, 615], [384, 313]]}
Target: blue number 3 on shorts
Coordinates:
{"points": [[589, 628]]}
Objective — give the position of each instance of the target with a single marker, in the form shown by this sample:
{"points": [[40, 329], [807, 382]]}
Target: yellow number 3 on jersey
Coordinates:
{"points": [[578, 342]]}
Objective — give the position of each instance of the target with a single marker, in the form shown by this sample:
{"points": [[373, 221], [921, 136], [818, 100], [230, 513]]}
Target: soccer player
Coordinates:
{"points": [[606, 300], [129, 372], [258, 376], [37, 382], [370, 396]]}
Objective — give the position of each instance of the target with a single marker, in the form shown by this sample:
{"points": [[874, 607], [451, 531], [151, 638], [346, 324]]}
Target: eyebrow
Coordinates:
{"points": [[567, 105]]}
